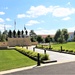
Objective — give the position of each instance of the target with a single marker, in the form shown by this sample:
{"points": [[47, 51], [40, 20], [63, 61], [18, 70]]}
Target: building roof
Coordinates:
{"points": [[44, 36], [71, 33]]}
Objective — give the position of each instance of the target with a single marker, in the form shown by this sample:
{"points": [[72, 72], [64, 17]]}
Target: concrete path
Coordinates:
{"points": [[60, 57]]}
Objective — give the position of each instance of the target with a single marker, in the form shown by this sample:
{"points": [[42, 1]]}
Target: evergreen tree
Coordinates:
{"points": [[74, 36], [33, 36], [57, 35], [39, 39], [18, 34], [0, 35], [22, 33], [65, 34], [48, 39], [14, 33], [10, 34]]}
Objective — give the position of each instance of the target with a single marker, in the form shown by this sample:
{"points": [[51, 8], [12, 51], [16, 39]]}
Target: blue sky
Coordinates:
{"points": [[42, 16]]}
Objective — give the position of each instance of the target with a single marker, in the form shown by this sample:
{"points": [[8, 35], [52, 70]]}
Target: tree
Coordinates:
{"points": [[26, 32], [0, 35], [10, 34], [74, 33], [18, 34], [48, 39], [57, 35], [32, 33], [74, 36], [61, 39], [33, 39], [22, 33], [33, 36], [65, 34], [39, 39], [3, 38], [5, 34], [14, 33]]}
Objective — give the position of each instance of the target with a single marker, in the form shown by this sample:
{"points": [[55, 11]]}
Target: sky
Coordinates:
{"points": [[42, 16]]}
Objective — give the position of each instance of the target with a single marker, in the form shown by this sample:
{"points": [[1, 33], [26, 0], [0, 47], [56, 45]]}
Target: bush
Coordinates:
{"points": [[32, 54]]}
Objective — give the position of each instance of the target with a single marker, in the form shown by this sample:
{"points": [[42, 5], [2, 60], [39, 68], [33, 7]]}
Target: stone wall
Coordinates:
{"points": [[12, 42], [19, 41], [3, 44]]}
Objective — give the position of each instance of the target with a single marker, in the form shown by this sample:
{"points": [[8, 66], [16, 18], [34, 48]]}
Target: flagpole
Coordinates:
{"points": [[15, 25], [4, 27], [24, 27]]}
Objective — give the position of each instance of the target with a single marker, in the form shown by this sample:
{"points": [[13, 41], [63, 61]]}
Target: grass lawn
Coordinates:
{"points": [[10, 59], [66, 46]]}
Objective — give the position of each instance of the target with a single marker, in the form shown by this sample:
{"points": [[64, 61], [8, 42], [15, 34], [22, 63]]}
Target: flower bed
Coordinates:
{"points": [[32, 54]]}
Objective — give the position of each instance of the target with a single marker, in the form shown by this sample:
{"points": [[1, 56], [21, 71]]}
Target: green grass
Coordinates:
{"points": [[65, 46], [10, 59]]}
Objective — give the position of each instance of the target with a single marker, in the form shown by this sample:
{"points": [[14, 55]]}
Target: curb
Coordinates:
{"points": [[31, 67]]}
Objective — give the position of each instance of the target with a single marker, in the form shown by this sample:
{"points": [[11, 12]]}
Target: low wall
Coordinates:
{"points": [[19, 41], [3, 44], [12, 42], [34, 43]]}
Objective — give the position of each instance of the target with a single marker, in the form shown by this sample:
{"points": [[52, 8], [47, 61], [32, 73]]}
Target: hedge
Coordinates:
{"points": [[32, 54]]}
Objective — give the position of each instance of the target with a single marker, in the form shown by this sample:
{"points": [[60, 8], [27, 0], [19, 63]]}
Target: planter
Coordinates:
{"points": [[49, 61]]}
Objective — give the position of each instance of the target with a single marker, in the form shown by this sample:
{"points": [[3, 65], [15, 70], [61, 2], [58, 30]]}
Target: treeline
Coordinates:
{"points": [[19, 34], [12, 34], [61, 36], [39, 38]]}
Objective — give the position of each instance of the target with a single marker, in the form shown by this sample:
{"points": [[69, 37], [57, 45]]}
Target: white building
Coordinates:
{"points": [[71, 36]]}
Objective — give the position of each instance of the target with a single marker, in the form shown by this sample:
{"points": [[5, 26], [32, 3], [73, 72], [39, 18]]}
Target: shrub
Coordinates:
{"points": [[32, 54]]}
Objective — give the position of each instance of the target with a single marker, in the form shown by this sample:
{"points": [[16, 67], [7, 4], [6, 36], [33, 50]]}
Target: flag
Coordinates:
{"points": [[14, 22], [24, 28]]}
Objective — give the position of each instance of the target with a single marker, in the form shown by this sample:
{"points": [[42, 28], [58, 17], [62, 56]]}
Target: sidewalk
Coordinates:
{"points": [[60, 57]]}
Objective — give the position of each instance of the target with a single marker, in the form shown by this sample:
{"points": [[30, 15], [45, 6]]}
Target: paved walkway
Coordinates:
{"points": [[60, 57]]}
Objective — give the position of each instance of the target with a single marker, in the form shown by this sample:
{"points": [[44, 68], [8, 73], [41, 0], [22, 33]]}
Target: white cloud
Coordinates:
{"points": [[6, 26], [66, 18], [41, 31], [2, 13], [45, 32], [1, 20], [32, 22], [37, 11], [71, 29], [8, 19], [57, 11], [21, 16], [62, 12]]}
